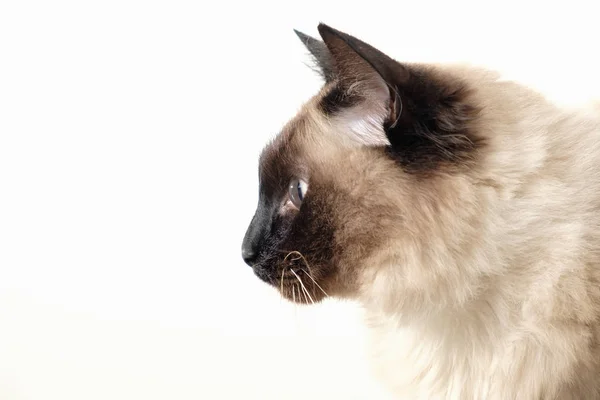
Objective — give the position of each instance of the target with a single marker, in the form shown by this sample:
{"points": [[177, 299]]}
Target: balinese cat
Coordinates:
{"points": [[461, 210]]}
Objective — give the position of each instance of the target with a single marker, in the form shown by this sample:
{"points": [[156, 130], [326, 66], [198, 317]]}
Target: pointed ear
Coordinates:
{"points": [[320, 54], [378, 76], [423, 116]]}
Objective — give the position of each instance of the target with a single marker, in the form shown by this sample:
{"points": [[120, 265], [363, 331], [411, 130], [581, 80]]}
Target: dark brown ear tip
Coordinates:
{"points": [[325, 29], [327, 32]]}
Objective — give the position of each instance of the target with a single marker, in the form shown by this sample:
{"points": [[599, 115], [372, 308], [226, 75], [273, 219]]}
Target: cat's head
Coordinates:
{"points": [[361, 177]]}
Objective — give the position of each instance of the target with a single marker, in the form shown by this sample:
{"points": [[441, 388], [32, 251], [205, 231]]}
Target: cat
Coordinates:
{"points": [[461, 210]]}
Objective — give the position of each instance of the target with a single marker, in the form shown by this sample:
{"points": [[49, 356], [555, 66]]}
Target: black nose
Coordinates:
{"points": [[256, 233], [248, 255]]}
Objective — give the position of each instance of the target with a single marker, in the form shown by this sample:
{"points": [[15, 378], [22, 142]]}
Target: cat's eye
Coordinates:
{"points": [[297, 191]]}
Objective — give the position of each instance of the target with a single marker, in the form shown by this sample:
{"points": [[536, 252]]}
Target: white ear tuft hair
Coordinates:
{"points": [[362, 128]]}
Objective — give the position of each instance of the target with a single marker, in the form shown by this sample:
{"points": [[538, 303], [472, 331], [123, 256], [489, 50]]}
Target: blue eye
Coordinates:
{"points": [[297, 191]]}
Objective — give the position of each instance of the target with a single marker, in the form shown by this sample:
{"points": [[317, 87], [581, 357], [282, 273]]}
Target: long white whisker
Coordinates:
{"points": [[281, 280], [309, 272], [303, 287], [315, 282], [304, 295], [300, 294]]}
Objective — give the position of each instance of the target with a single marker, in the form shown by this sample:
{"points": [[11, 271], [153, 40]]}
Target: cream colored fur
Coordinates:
{"points": [[505, 301]]}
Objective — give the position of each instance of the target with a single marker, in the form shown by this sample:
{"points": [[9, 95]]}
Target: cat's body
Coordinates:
{"points": [[531, 330], [461, 210]]}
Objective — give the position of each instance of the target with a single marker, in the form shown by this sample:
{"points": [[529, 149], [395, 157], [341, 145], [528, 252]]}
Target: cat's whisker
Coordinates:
{"points": [[305, 293], [315, 282], [304, 296], [309, 272], [300, 294], [302, 285], [281, 280], [300, 256]]}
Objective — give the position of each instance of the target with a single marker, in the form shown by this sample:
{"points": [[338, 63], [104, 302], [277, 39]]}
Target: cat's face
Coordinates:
{"points": [[351, 181], [323, 205]]}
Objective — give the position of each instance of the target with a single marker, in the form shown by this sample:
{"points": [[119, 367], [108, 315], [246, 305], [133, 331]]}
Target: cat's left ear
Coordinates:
{"points": [[320, 54], [367, 73]]}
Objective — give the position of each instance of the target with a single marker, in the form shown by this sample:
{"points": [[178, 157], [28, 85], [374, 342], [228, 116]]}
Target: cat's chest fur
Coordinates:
{"points": [[439, 361], [530, 332]]}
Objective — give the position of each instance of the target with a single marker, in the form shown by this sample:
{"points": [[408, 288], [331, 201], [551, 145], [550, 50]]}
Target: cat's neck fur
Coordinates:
{"points": [[537, 237]]}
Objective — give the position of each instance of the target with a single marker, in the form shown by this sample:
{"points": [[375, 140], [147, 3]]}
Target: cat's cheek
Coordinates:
{"points": [[288, 209]]}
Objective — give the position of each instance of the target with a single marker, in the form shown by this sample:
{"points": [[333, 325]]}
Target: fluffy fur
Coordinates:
{"points": [[461, 210]]}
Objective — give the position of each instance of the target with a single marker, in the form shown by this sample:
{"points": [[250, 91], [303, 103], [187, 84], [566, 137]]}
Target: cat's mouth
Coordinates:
{"points": [[294, 280]]}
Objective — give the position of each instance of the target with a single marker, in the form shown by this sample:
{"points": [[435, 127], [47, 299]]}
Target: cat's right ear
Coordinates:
{"points": [[320, 54]]}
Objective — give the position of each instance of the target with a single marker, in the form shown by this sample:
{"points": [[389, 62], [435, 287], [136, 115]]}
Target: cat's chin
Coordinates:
{"points": [[295, 285], [296, 294], [295, 282]]}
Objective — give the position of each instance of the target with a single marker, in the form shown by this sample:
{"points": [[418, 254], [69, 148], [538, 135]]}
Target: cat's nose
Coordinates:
{"points": [[248, 255], [254, 237]]}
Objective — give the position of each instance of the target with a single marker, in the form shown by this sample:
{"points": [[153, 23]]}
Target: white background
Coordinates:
{"points": [[129, 136]]}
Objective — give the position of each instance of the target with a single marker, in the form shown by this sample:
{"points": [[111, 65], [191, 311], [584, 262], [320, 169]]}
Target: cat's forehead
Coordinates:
{"points": [[317, 138], [286, 152], [306, 131]]}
